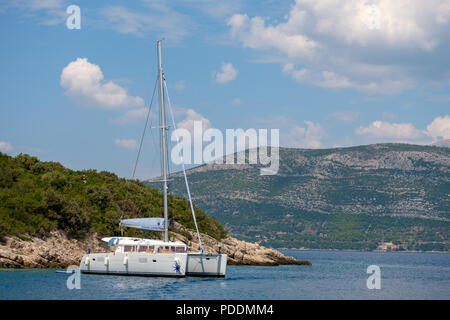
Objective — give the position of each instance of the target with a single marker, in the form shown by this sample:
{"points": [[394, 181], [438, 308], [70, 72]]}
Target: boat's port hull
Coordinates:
{"points": [[136, 264], [206, 265]]}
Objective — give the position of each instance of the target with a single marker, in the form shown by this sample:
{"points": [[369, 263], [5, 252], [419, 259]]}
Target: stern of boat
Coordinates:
{"points": [[206, 265]]}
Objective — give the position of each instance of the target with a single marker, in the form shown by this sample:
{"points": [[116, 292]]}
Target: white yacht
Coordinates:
{"points": [[150, 257]]}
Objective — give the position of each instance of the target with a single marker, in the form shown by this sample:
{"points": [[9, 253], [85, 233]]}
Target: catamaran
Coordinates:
{"points": [[154, 257]]}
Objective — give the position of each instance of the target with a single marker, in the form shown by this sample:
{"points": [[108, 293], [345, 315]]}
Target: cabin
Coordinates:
{"points": [[138, 245]]}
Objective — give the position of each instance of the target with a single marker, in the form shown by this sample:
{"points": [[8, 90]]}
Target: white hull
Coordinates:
{"points": [[206, 265], [155, 264], [139, 264]]}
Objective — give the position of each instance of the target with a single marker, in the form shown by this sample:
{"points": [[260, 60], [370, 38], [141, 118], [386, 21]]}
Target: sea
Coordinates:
{"points": [[333, 275]]}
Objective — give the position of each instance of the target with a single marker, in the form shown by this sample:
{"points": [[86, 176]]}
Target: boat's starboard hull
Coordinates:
{"points": [[206, 265], [158, 265]]}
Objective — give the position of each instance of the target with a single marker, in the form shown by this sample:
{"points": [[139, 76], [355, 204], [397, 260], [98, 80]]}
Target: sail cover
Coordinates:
{"points": [[146, 224]]}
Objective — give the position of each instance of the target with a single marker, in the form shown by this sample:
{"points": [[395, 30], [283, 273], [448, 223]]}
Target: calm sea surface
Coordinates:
{"points": [[334, 275]]}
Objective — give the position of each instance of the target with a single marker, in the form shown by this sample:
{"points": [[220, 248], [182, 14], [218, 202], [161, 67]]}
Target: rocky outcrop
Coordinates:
{"points": [[56, 250]]}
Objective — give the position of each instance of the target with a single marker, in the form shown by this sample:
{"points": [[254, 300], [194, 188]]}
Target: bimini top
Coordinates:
{"points": [[139, 241], [146, 224]]}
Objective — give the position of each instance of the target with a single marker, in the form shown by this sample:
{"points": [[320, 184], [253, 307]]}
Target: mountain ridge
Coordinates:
{"points": [[321, 196]]}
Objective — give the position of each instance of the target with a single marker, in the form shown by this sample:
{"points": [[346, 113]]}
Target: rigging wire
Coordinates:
{"points": [[184, 169], [145, 129]]}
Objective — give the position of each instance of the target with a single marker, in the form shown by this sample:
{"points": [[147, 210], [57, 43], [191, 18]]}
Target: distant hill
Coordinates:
{"points": [[343, 198], [39, 197], [442, 143]]}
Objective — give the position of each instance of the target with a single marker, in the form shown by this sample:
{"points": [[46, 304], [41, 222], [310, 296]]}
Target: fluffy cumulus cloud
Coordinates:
{"points": [[439, 128], [228, 73], [190, 117], [5, 146], [84, 83], [387, 130], [126, 143], [368, 46], [383, 131], [308, 134]]}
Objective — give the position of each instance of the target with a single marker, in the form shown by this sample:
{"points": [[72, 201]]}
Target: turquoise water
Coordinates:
{"points": [[334, 275]]}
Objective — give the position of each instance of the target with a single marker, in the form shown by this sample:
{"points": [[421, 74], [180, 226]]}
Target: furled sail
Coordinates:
{"points": [[146, 224]]}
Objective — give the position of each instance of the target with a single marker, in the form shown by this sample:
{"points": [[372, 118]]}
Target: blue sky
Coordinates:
{"points": [[325, 73]]}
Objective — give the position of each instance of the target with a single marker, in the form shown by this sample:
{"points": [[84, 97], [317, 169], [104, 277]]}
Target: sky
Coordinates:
{"points": [[325, 73]]}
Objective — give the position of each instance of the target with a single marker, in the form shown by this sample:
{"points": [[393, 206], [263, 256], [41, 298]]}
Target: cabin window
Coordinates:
{"points": [[128, 248], [179, 249], [150, 249], [142, 248], [172, 248], [167, 247]]}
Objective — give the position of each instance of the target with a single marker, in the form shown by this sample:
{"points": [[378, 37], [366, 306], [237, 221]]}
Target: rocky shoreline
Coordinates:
{"points": [[56, 250]]}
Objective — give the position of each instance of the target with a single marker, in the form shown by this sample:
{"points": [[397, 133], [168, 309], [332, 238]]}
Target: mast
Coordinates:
{"points": [[162, 119]]}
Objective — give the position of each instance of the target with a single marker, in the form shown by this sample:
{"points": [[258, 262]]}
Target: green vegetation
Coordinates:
{"points": [[37, 197]]}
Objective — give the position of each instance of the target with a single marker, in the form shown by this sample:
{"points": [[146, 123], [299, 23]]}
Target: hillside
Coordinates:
{"points": [[38, 197], [343, 198], [50, 216], [442, 143]]}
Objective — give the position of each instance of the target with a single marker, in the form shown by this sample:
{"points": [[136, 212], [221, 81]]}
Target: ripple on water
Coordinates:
{"points": [[334, 275]]}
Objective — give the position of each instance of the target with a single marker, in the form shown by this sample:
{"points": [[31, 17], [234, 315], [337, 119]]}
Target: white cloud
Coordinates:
{"points": [[46, 12], [180, 85], [5, 146], [132, 116], [334, 44], [188, 122], [236, 101], [389, 115], [293, 135], [382, 131], [443, 13], [253, 33], [217, 9], [158, 18], [126, 143], [345, 115], [386, 130], [439, 128], [228, 73], [376, 80], [310, 136], [401, 22], [84, 83]]}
